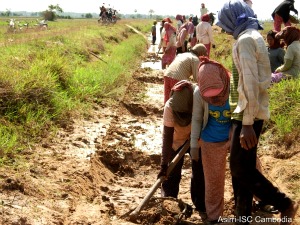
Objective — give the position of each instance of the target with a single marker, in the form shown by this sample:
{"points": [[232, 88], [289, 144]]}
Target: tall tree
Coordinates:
{"points": [[151, 12], [50, 13]]}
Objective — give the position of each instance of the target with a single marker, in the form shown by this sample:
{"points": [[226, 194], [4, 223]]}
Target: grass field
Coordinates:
{"points": [[48, 76]]}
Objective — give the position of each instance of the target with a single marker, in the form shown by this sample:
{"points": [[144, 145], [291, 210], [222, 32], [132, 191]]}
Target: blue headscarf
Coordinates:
{"points": [[236, 16]]}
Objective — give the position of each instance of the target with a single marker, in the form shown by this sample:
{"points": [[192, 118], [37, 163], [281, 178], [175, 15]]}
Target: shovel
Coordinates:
{"points": [[133, 215], [156, 55]]}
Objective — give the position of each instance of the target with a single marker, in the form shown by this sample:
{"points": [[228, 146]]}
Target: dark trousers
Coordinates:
{"points": [[179, 49], [153, 39], [247, 180], [170, 187]]}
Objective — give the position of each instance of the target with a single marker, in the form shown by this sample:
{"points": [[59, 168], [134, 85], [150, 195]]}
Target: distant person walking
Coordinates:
{"points": [[204, 33], [281, 14], [203, 10], [153, 32]]}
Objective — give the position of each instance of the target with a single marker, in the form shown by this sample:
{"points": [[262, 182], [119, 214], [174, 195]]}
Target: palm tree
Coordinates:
{"points": [[135, 11], [151, 12]]}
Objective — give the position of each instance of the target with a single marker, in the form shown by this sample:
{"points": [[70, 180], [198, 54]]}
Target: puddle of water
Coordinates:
{"points": [[92, 133], [152, 65], [153, 49], [151, 140], [154, 95]]}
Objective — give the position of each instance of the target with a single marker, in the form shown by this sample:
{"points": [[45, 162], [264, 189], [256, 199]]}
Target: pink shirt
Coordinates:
{"points": [[183, 34]]}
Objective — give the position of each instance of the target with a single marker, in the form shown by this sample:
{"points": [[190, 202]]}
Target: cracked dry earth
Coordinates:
{"points": [[99, 169]]}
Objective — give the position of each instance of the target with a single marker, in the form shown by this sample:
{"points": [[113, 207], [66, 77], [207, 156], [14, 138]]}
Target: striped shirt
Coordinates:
{"points": [[249, 83], [183, 67]]}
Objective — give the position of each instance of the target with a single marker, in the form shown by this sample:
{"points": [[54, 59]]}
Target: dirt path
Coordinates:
{"points": [[100, 169]]}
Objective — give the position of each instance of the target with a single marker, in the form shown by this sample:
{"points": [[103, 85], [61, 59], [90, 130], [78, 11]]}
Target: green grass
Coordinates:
{"points": [[46, 77], [285, 107]]}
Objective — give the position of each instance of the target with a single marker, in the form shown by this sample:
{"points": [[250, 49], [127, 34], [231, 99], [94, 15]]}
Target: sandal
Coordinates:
{"points": [[269, 209], [266, 208]]}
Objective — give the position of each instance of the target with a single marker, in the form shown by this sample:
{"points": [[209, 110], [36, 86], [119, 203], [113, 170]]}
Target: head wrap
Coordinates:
{"points": [[181, 102], [178, 17], [289, 34], [213, 82], [249, 2], [236, 16], [205, 18], [189, 26], [169, 31], [167, 19], [199, 50]]}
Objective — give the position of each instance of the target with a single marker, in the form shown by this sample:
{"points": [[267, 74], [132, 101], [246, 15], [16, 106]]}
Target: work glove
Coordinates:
{"points": [[195, 154], [213, 46], [163, 171]]}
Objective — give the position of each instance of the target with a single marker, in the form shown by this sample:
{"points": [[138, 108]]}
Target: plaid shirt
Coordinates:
{"points": [[183, 67], [249, 98]]}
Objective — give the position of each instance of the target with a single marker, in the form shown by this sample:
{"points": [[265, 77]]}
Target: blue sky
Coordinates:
{"points": [[263, 8]]}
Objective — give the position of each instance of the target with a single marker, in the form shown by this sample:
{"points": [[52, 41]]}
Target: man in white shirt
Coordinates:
{"points": [[203, 10]]}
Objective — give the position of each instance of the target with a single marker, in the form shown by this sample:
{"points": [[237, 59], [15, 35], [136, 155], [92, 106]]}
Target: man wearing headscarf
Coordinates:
{"points": [[211, 123], [204, 33], [183, 67], [176, 131], [281, 14], [249, 103]]}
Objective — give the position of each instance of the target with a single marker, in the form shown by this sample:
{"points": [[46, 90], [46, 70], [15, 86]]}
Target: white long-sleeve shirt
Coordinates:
{"points": [[204, 33]]}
